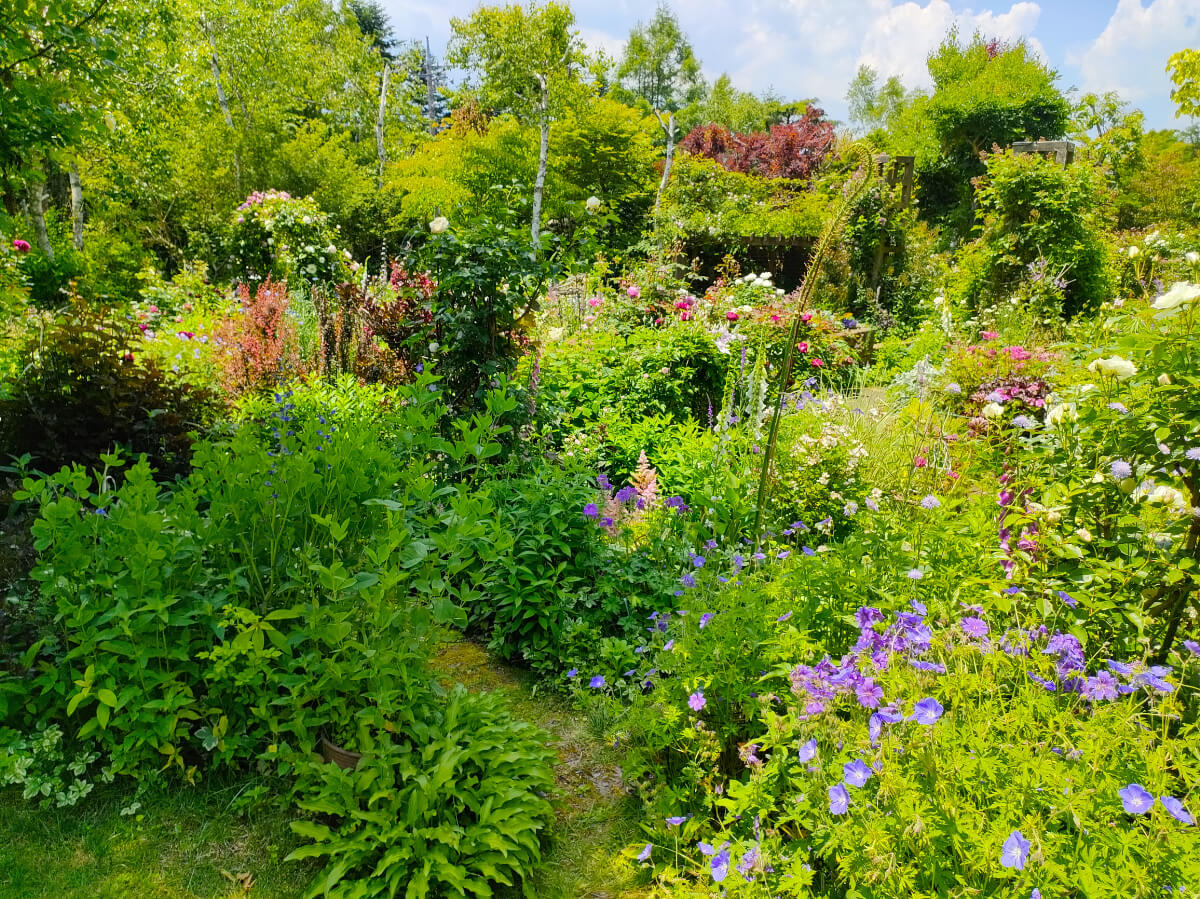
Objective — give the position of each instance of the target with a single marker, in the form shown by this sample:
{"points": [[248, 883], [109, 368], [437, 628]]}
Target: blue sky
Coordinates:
{"points": [[807, 48]]}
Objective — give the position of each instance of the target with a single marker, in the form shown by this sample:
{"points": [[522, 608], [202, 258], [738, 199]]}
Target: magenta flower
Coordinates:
{"points": [[21, 246], [697, 701]]}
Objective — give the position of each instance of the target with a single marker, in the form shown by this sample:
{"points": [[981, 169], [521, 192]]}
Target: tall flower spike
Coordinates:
{"points": [[854, 189], [645, 481]]}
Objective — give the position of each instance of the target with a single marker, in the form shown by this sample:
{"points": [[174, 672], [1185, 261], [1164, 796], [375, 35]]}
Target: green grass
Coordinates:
{"points": [[176, 845], [183, 842]]}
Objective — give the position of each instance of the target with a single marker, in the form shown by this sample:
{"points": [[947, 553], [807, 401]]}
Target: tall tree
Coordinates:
{"points": [[528, 60], [660, 69], [373, 22], [873, 105]]}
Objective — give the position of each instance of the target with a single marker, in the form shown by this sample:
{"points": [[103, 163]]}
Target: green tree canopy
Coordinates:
{"points": [[659, 67]]}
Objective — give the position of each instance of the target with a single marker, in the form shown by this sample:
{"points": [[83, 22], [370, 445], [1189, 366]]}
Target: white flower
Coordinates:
{"points": [[1162, 495], [1084, 534], [1133, 251], [1192, 256], [439, 224], [1164, 379], [992, 410], [592, 204], [1061, 413], [764, 276], [1115, 367], [1181, 292]]}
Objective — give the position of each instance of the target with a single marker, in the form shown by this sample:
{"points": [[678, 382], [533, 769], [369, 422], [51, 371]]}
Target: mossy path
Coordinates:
{"points": [[595, 816]]}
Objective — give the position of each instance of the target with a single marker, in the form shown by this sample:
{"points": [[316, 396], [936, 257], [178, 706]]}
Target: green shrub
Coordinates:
{"points": [[277, 236], [87, 388], [1039, 223], [452, 805]]}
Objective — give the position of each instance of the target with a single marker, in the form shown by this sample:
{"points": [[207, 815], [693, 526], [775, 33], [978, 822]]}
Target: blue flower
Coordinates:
{"points": [[597, 682], [808, 751], [1067, 598], [1015, 851], [699, 561], [705, 619], [1176, 810], [930, 502], [676, 821], [839, 800], [927, 711], [591, 510], [1121, 469], [574, 672], [644, 854], [1135, 799], [688, 581], [856, 773], [720, 865]]}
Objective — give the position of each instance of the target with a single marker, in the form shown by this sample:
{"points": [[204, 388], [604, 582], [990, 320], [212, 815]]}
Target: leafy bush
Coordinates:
{"points": [[88, 388], [261, 347], [563, 582], [785, 151], [276, 236], [1039, 222], [453, 804]]}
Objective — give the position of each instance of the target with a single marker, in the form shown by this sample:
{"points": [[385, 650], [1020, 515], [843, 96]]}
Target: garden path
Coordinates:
{"points": [[595, 817]]}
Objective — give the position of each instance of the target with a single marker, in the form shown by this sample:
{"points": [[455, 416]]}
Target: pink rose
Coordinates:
{"points": [[817, 363], [634, 292], [802, 346], [731, 315], [595, 301], [21, 246], [806, 317]]}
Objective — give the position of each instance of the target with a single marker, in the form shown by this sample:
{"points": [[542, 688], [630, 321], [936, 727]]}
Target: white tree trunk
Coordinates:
{"points": [[539, 183], [669, 128], [37, 212], [379, 122], [76, 206]]}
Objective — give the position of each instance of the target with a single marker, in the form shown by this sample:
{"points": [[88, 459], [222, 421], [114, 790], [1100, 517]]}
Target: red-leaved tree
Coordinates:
{"points": [[786, 151]]}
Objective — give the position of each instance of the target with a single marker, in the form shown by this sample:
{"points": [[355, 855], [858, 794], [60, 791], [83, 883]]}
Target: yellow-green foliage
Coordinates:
{"points": [[703, 199]]}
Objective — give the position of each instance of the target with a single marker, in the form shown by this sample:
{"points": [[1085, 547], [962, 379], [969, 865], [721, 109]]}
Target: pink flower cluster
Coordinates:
{"points": [[261, 197]]}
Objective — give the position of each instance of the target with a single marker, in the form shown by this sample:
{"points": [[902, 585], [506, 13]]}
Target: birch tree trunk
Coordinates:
{"points": [[669, 128], [539, 183], [223, 101], [76, 205], [37, 212], [379, 123]]}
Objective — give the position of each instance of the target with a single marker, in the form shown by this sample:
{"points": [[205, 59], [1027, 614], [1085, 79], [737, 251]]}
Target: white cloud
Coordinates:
{"points": [[1130, 55], [813, 47]]}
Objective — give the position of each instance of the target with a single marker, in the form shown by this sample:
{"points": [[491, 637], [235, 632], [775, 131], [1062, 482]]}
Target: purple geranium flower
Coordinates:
{"points": [[869, 694], [1135, 799], [927, 711], [597, 682], [591, 510], [866, 616], [676, 821], [856, 773], [839, 800], [644, 854], [1176, 810], [720, 865], [1015, 851], [1101, 687], [697, 701], [974, 627], [930, 502], [808, 751], [1192, 646]]}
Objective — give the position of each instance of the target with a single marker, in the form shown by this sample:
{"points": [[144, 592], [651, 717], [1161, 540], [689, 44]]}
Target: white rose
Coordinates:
{"points": [[439, 224], [1133, 251], [592, 204], [1192, 256], [1115, 367], [1181, 292], [1164, 379], [1162, 495], [992, 410], [1084, 534]]}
